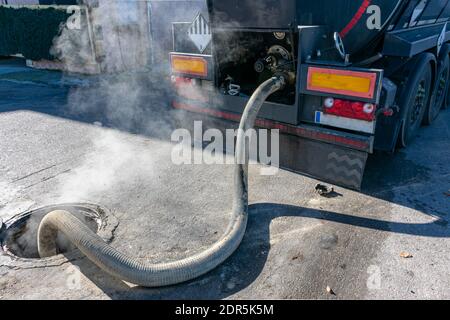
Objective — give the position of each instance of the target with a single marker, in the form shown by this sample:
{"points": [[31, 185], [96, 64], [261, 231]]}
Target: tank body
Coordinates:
{"points": [[360, 22]]}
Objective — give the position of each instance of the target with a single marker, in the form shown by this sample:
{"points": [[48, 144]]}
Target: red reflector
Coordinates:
{"points": [[189, 88], [352, 110], [181, 81], [388, 113]]}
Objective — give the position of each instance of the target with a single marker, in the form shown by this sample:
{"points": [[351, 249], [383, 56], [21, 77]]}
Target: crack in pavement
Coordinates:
{"points": [[41, 265], [48, 178], [82, 155], [33, 173]]}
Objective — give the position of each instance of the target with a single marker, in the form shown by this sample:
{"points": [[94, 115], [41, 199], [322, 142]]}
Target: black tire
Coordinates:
{"points": [[440, 92], [446, 103], [415, 100]]}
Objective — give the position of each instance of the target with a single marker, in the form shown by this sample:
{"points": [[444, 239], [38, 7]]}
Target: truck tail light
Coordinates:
{"points": [[189, 88], [189, 65], [342, 82], [369, 108], [182, 81], [328, 103], [350, 109]]}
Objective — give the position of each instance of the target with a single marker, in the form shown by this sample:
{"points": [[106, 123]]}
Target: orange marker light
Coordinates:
{"points": [[190, 65], [343, 82]]}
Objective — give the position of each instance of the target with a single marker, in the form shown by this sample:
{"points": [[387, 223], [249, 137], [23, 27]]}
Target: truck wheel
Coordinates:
{"points": [[415, 101], [446, 103], [440, 92], [447, 99]]}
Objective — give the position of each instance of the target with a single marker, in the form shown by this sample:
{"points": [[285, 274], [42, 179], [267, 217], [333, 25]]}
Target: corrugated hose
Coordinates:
{"points": [[157, 275]]}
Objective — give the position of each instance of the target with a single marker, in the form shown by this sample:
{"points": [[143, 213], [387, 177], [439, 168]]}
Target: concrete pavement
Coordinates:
{"points": [[110, 145]]}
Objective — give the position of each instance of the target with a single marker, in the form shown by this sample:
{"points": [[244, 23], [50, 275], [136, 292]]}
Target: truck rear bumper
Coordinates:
{"points": [[329, 155]]}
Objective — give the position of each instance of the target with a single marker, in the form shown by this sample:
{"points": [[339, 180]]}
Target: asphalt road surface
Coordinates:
{"points": [[68, 140]]}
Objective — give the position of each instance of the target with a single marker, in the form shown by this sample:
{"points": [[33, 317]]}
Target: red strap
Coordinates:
{"points": [[362, 9]]}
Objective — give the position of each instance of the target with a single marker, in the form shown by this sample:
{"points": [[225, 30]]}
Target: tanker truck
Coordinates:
{"points": [[361, 75]]}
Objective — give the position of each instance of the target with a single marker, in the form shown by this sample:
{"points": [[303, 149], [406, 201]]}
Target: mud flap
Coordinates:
{"points": [[334, 164]]}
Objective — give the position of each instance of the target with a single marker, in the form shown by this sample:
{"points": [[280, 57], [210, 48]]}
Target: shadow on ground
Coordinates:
{"points": [[249, 260]]}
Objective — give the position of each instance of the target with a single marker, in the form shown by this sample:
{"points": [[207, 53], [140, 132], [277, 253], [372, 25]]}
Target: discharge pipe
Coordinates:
{"points": [[158, 275]]}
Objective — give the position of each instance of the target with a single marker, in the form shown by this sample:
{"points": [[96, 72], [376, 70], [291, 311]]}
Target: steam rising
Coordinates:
{"points": [[112, 163], [128, 96]]}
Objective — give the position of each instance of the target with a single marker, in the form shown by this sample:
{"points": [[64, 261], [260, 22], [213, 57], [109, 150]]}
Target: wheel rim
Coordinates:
{"points": [[419, 103], [440, 94]]}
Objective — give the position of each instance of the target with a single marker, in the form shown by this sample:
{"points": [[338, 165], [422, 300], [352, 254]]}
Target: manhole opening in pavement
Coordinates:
{"points": [[18, 236]]}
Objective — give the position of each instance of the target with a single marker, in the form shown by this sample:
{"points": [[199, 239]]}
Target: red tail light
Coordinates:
{"points": [[189, 88], [350, 109], [180, 81]]}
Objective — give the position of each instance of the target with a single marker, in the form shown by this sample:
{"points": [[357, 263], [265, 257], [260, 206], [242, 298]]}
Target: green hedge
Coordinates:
{"points": [[29, 31]]}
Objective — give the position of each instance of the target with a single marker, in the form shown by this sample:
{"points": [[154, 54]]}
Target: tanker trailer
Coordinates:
{"points": [[361, 75]]}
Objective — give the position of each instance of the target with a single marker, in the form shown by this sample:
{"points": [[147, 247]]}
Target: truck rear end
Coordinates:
{"points": [[338, 104]]}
